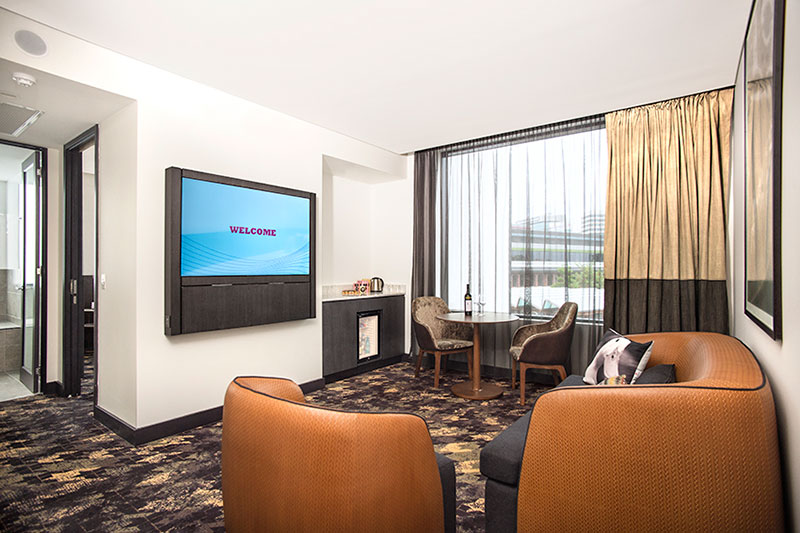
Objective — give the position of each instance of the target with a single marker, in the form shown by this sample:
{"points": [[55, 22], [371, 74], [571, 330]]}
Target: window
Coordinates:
{"points": [[521, 218]]}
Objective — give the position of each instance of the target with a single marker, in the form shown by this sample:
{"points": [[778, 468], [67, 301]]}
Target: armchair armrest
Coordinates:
{"points": [[667, 457], [524, 332]]}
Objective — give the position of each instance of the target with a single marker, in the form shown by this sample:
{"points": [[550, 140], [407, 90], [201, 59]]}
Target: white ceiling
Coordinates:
{"points": [[70, 108], [415, 74]]}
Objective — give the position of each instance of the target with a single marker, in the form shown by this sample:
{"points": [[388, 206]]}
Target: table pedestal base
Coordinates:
{"points": [[488, 391]]}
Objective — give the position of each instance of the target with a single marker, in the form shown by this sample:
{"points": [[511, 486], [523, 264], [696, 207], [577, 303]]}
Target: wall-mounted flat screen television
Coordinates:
{"points": [[227, 230], [238, 253]]}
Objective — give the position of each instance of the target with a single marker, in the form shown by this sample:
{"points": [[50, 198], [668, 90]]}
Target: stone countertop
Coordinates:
{"points": [[333, 293], [361, 297]]}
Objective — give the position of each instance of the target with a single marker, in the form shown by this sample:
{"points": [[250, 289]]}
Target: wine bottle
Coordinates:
{"points": [[468, 302]]}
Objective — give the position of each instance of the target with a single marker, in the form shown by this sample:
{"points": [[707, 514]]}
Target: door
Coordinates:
{"points": [[75, 305], [30, 258]]}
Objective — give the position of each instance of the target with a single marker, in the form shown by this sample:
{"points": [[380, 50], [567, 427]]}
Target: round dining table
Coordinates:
{"points": [[476, 389]]}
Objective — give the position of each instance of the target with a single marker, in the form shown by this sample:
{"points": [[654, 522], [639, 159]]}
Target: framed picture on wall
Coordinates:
{"points": [[763, 81]]}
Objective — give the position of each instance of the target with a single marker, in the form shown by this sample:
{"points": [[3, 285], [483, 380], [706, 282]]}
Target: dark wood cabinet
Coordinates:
{"points": [[340, 334]]}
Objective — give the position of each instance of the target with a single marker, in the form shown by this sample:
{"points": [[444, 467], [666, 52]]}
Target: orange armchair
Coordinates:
{"points": [[700, 454], [290, 466]]}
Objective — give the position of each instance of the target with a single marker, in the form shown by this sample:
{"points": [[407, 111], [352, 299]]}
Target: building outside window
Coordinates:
{"points": [[522, 220]]}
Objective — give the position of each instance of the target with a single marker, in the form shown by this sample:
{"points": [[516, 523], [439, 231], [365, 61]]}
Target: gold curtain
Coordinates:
{"points": [[666, 215]]}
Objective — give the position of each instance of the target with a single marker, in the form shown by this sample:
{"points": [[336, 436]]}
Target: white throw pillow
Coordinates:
{"points": [[617, 355]]}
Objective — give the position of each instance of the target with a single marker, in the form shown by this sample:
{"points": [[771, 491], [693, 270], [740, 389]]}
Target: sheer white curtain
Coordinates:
{"points": [[520, 217], [476, 210]]}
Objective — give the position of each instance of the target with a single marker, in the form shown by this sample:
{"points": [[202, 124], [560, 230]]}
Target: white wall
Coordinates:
{"points": [[88, 220], [368, 226], [350, 227], [195, 127], [55, 265], [780, 360], [88, 224], [116, 302], [391, 236], [181, 123]]}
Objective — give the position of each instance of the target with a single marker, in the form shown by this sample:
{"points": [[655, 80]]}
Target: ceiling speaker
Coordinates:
{"points": [[30, 43]]}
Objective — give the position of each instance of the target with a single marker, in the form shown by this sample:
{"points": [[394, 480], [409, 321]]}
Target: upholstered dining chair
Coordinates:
{"points": [[438, 337], [291, 466], [544, 346]]}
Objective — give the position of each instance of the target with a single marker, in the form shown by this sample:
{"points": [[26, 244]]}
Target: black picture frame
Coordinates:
{"points": [[763, 84]]}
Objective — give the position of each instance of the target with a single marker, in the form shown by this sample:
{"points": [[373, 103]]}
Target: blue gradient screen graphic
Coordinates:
{"points": [[236, 231]]}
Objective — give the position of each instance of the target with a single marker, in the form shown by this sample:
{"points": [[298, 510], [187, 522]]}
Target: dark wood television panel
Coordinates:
{"points": [[194, 303]]}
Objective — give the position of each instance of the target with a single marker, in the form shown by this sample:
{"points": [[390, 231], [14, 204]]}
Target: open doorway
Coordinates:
{"points": [[80, 246], [22, 254], [65, 108]]}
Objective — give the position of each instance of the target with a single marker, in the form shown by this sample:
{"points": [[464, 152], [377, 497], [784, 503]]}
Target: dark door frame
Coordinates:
{"points": [[33, 161], [41, 191], [73, 332]]}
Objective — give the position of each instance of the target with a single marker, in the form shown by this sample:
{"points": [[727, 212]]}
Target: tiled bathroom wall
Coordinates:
{"points": [[10, 320]]}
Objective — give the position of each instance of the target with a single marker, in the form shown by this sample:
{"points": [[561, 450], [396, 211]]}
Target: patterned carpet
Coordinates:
{"points": [[62, 471]]}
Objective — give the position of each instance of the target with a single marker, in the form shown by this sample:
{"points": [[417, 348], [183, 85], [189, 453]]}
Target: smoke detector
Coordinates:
{"points": [[23, 79]]}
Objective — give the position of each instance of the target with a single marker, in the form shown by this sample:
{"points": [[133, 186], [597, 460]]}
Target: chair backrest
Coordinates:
{"points": [[704, 359], [565, 317], [290, 466], [427, 328], [554, 347]]}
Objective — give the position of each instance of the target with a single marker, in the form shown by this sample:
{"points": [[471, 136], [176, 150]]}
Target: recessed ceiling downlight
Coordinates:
{"points": [[30, 43]]}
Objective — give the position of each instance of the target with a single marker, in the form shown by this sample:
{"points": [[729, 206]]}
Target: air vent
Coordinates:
{"points": [[14, 119]]}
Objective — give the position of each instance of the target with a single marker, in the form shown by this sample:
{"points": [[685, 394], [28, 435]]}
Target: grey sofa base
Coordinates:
{"points": [[447, 473], [501, 507], [501, 462]]}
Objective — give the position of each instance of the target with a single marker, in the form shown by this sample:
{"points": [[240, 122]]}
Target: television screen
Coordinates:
{"points": [[237, 231]]}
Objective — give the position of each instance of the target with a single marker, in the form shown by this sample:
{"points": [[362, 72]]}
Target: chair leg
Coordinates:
{"points": [[562, 375], [469, 363], [522, 368], [437, 363], [444, 364], [514, 364], [419, 362]]}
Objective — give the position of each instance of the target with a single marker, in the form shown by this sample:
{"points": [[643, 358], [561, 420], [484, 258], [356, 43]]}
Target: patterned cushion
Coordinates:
{"points": [[614, 380], [515, 352], [452, 344], [617, 355]]}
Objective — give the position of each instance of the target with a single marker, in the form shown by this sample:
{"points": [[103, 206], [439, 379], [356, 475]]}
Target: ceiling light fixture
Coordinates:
{"points": [[23, 79], [30, 43]]}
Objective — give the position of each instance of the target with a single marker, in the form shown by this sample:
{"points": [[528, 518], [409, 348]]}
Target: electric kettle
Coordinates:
{"points": [[376, 285]]}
